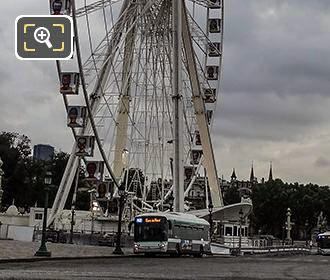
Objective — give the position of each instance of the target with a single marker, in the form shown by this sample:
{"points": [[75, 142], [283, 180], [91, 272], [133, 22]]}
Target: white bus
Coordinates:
{"points": [[323, 242], [171, 233]]}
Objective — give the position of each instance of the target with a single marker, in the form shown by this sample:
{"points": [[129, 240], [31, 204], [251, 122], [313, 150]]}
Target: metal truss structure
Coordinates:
{"points": [[125, 57]]}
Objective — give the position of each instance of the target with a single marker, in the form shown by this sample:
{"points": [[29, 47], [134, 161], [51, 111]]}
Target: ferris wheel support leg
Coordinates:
{"points": [[178, 106], [199, 107], [124, 109], [72, 164], [65, 186]]}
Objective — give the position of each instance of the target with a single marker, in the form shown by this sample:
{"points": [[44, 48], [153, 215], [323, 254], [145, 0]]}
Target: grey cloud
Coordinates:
{"points": [[283, 53], [269, 116], [322, 162], [274, 102]]}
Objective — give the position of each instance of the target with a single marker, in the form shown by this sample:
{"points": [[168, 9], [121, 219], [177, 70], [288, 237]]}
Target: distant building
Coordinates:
{"points": [[43, 152], [243, 187], [197, 194]]}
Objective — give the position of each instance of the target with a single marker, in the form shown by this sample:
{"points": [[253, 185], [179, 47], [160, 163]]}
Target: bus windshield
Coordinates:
{"points": [[150, 229]]}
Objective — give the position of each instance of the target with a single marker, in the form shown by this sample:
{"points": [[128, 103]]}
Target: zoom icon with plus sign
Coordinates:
{"points": [[44, 37]]}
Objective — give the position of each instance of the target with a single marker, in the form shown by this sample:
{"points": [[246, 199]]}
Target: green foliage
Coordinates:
{"points": [[24, 182], [271, 200], [232, 196], [23, 176]]}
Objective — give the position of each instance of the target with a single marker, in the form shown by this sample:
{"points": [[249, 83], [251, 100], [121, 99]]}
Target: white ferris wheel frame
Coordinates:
{"points": [[93, 102]]}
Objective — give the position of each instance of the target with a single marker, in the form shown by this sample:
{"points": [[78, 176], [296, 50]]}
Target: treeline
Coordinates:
{"points": [[24, 177], [271, 200], [24, 182]]}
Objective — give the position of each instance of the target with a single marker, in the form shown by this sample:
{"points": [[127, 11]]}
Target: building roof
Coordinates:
{"points": [[233, 176], [270, 177], [12, 210], [252, 174]]}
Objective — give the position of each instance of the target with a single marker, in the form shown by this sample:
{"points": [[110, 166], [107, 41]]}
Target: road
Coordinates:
{"points": [[293, 267]]}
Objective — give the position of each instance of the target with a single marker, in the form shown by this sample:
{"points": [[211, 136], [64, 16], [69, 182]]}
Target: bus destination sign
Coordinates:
{"points": [[152, 220]]}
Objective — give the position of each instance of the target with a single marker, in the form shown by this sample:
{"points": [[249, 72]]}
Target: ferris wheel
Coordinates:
{"points": [[118, 92]]}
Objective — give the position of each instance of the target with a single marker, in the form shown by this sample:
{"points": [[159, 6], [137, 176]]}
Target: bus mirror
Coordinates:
{"points": [[169, 225]]}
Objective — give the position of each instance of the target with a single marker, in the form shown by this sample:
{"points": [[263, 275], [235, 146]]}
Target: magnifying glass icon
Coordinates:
{"points": [[42, 35]]}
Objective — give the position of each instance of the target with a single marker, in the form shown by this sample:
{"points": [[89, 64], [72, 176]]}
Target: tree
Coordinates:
{"points": [[24, 176], [14, 151], [271, 200], [232, 195]]}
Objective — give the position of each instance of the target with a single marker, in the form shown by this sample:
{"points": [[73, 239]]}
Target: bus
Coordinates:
{"points": [[171, 233], [323, 242]]}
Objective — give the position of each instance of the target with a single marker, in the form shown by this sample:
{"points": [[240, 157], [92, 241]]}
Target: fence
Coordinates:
{"points": [[96, 239]]}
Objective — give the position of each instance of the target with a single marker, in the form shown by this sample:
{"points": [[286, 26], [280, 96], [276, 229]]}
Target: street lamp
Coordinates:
{"points": [[240, 213], [72, 223], [288, 225], [306, 238], [210, 220], [122, 198], [170, 202], [42, 251]]}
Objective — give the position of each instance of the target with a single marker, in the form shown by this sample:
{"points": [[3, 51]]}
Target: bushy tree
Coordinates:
{"points": [[24, 176], [271, 200]]}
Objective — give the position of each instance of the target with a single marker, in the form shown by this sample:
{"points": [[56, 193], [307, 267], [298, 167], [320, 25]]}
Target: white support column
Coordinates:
{"points": [[124, 107], [178, 105], [199, 107], [72, 165]]}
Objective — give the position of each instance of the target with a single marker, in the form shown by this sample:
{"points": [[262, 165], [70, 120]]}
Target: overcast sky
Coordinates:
{"points": [[275, 97]]}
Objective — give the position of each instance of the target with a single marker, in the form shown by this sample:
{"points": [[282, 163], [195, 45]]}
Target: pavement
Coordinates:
{"points": [[17, 261], [19, 251], [300, 267], [11, 251]]}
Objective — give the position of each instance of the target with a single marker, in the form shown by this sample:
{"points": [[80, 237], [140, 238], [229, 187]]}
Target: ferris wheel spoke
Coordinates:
{"points": [[95, 6], [207, 3], [124, 111], [200, 37]]}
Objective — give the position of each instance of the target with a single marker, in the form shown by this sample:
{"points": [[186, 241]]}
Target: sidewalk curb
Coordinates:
{"points": [[41, 259]]}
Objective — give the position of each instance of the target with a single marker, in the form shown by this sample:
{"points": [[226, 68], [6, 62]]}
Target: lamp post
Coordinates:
{"points": [[170, 202], [288, 225], [240, 213], [72, 224], [122, 199], [42, 251], [210, 220], [122, 194]]}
